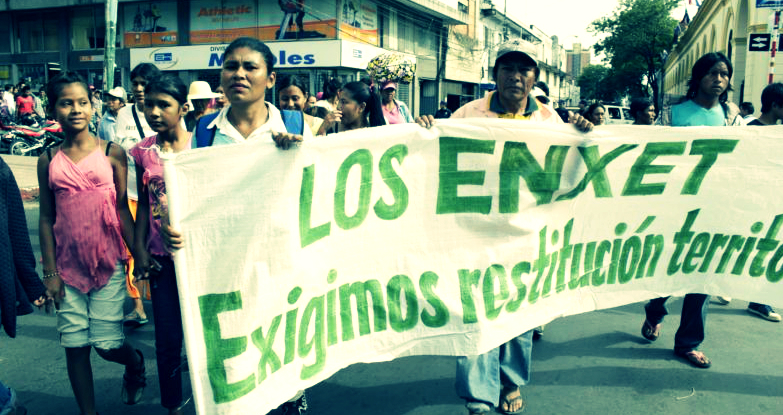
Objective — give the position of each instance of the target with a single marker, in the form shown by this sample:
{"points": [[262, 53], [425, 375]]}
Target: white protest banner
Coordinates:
{"points": [[394, 241]]}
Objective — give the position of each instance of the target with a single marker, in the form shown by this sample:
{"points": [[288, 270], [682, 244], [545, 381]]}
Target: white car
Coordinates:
{"points": [[618, 115]]}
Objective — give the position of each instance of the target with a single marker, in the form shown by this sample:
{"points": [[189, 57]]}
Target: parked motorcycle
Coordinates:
{"points": [[31, 141]]}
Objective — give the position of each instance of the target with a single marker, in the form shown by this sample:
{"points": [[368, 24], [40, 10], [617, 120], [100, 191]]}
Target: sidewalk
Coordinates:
{"points": [[25, 173]]}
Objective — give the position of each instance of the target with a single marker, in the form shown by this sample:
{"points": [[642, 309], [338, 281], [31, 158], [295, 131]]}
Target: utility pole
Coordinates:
{"points": [[108, 47], [505, 20]]}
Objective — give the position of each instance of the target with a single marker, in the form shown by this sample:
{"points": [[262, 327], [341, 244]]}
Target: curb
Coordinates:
{"points": [[30, 194]]}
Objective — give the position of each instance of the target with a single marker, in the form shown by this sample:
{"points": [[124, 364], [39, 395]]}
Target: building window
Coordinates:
{"points": [[462, 7], [405, 41], [37, 32], [5, 33], [88, 28]]}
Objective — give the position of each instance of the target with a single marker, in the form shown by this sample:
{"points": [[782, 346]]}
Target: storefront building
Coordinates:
{"points": [[726, 26], [316, 39], [314, 61]]}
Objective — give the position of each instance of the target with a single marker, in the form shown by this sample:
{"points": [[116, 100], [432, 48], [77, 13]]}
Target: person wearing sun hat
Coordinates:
{"points": [[114, 100], [395, 112], [199, 96]]}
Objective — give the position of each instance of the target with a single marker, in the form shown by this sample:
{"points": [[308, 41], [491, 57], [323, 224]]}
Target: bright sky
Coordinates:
{"points": [[569, 19]]}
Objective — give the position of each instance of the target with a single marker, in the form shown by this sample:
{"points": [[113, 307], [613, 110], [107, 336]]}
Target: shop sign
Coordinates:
{"points": [[149, 24], [357, 54], [262, 19], [318, 54], [91, 58]]}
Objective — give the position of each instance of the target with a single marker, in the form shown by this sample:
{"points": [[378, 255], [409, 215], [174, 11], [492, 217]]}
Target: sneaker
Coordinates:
{"points": [[722, 300], [133, 382], [764, 311], [297, 407]]}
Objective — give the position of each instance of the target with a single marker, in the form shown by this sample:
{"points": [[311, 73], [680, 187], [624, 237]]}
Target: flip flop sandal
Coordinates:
{"points": [[651, 332], [134, 320], [504, 399], [696, 358]]}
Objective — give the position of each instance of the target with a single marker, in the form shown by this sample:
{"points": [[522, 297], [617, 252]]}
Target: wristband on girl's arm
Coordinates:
{"points": [[50, 275]]}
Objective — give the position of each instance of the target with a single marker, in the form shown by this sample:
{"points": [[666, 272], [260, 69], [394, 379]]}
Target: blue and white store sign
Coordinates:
{"points": [[302, 54]]}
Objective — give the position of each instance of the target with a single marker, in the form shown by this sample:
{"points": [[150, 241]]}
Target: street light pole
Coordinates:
{"points": [[108, 47]]}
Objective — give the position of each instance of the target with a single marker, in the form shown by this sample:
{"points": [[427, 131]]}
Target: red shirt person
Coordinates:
{"points": [[25, 103]]}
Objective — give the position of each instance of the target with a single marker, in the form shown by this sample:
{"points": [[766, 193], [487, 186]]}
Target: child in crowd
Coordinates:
{"points": [[131, 128], [164, 106], [84, 219]]}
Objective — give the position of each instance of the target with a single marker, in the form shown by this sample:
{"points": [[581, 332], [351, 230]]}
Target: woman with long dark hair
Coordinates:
{"points": [[360, 107], [706, 102]]}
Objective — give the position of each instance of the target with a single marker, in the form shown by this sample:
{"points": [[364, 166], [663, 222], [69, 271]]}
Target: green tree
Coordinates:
{"points": [[596, 83], [638, 34]]}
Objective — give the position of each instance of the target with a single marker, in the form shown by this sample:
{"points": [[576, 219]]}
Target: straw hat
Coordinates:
{"points": [[201, 90]]}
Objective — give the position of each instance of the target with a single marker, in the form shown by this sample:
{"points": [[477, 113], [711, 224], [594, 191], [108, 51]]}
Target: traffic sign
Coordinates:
{"points": [[769, 3], [759, 42]]}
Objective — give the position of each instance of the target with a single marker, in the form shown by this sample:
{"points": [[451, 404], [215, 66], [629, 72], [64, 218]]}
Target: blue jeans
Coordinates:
{"points": [[7, 399], [692, 321], [168, 333], [481, 378]]}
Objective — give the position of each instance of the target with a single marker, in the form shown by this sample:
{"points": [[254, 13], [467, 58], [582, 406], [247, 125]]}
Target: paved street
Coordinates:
{"points": [[25, 173], [594, 363]]}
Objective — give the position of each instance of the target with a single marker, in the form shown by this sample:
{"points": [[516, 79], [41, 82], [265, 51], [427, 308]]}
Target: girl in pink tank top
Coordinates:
{"points": [[84, 226]]}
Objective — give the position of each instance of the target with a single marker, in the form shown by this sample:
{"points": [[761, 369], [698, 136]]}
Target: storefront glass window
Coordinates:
{"points": [[88, 28], [33, 75]]}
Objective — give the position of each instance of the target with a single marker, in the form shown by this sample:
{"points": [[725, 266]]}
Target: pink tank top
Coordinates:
{"points": [[87, 231]]}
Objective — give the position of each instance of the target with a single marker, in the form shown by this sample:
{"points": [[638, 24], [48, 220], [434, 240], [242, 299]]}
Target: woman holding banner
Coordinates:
{"points": [[246, 75]]}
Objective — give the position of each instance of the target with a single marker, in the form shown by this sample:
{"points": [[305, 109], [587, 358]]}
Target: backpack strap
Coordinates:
{"points": [[108, 148], [138, 123], [205, 136], [293, 120]]}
